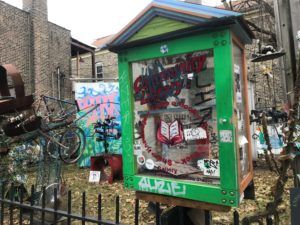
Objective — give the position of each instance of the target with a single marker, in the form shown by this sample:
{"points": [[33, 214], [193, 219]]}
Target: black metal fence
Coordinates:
{"points": [[30, 213], [13, 210]]}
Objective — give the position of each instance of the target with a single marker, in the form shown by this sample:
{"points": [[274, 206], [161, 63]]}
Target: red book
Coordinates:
{"points": [[170, 134]]}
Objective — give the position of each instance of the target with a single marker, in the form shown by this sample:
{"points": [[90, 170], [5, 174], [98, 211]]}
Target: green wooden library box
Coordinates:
{"points": [[183, 90]]}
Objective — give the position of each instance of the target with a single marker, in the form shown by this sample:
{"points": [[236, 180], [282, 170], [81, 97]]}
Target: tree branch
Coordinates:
{"points": [[230, 3], [259, 29], [260, 3], [268, 8], [226, 6]]}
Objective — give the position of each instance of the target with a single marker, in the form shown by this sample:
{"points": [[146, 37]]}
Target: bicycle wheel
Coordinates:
{"points": [[52, 147], [50, 200], [74, 141]]}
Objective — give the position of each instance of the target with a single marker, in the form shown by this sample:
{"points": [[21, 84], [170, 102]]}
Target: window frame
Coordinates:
{"points": [[99, 64]]}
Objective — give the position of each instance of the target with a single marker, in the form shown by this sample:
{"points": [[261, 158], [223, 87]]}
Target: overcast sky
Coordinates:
{"points": [[91, 19]]}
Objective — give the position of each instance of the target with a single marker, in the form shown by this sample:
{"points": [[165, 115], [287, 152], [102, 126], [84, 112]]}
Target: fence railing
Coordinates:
{"points": [[34, 213], [13, 210]]}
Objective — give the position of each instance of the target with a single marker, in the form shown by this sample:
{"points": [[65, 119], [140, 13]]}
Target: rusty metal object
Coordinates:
{"points": [[21, 101]]}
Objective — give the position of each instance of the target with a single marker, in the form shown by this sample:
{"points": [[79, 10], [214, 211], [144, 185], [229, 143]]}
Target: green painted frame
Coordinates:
{"points": [[228, 192]]}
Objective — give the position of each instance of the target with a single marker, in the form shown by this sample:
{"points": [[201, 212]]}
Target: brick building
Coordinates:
{"points": [[105, 62], [39, 49]]}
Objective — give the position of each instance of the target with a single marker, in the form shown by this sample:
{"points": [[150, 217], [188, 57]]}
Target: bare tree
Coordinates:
{"points": [[264, 7]]}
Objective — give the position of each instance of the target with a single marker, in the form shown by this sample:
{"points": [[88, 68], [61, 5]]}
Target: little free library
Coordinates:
{"points": [[183, 90]]}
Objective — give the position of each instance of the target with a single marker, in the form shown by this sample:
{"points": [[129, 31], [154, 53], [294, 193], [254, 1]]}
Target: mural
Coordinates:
{"points": [[107, 95]]}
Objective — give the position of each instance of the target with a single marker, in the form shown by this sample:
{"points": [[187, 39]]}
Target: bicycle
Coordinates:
{"points": [[64, 138], [64, 134]]}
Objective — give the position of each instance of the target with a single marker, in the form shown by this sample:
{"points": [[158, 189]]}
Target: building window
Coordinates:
{"points": [[99, 70]]}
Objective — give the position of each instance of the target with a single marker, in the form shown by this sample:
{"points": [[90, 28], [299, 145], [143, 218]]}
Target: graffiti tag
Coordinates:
{"points": [[167, 83], [162, 187], [108, 106]]}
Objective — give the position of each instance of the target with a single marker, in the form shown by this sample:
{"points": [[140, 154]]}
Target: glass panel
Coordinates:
{"points": [[175, 117], [240, 111]]}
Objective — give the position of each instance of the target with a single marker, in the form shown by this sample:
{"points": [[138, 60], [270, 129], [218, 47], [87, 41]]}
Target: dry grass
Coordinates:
{"points": [[77, 180]]}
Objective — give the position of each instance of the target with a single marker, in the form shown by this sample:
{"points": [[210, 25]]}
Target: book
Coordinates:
{"points": [[170, 134]]}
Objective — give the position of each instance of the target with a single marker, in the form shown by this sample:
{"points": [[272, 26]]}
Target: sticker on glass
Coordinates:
{"points": [[226, 136], [236, 69], [137, 149], [149, 164], [164, 49], [210, 167], [243, 140], [190, 76], [170, 134], [195, 134], [239, 98], [141, 160]]}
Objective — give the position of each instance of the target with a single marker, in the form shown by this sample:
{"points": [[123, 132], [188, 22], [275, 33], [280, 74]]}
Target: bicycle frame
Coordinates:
{"points": [[60, 101]]}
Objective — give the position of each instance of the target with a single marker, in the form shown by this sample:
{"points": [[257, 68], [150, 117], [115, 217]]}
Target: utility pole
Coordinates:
{"points": [[287, 27], [295, 9], [285, 40]]}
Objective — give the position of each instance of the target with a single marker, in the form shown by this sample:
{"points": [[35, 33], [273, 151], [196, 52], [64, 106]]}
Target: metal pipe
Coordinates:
{"points": [[58, 81], [77, 64], [53, 85], [92, 79]]}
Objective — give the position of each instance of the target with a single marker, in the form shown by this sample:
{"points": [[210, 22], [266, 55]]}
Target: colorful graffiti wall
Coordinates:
{"points": [[107, 95]]}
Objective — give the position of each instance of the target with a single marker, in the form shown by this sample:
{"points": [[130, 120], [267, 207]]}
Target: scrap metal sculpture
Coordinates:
{"points": [[12, 95]]}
